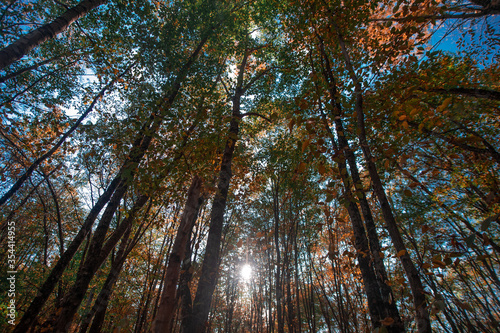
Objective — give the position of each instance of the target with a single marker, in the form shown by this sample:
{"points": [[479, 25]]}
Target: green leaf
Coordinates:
{"points": [[486, 224], [470, 240]]}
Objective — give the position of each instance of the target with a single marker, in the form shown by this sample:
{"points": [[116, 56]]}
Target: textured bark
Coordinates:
{"points": [[168, 302], [183, 291], [96, 256], [419, 300], [210, 267], [277, 280], [209, 270], [376, 305], [417, 289], [124, 176], [98, 311], [390, 307], [23, 45], [55, 274]]}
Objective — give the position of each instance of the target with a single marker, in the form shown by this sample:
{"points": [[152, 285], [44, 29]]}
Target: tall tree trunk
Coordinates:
{"points": [[277, 279], [375, 248], [23, 45], [376, 305], [98, 311], [209, 270], [211, 261], [168, 302], [417, 289], [55, 274], [296, 275], [98, 252], [183, 291], [121, 181]]}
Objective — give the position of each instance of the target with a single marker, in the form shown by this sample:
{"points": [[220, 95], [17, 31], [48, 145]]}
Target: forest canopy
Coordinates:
{"points": [[250, 166]]}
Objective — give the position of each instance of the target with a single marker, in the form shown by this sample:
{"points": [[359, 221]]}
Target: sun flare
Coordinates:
{"points": [[246, 272]]}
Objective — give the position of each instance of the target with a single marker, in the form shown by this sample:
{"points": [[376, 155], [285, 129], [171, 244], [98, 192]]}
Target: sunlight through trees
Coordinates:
{"points": [[249, 166]]}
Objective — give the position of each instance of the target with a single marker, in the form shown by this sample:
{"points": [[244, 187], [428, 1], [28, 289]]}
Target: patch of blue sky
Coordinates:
{"points": [[477, 38]]}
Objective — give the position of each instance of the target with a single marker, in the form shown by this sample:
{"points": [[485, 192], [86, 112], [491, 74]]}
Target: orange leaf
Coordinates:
{"points": [[387, 321]]}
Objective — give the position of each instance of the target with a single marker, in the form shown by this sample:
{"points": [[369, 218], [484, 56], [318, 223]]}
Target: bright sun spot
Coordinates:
{"points": [[246, 272]]}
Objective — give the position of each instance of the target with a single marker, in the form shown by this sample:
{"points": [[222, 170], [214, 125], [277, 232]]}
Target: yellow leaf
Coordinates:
{"points": [[240, 243], [444, 105], [302, 167], [401, 253]]}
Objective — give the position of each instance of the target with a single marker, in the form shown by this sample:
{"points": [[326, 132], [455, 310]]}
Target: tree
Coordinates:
{"points": [[26, 43], [347, 164]]}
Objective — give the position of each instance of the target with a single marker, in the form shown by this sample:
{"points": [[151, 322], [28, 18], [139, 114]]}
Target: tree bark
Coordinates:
{"points": [[419, 300], [98, 252], [98, 311], [391, 309], [210, 266], [376, 305], [124, 176], [209, 270], [277, 274], [23, 45], [168, 302], [55, 274], [183, 291]]}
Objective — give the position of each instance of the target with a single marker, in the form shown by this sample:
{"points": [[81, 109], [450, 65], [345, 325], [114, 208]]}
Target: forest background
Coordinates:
{"points": [[338, 152]]}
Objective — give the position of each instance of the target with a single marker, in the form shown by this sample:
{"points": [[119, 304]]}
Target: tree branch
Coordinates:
{"points": [[254, 114]]}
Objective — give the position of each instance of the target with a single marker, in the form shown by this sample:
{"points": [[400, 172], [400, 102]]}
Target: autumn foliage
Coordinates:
{"points": [[346, 153]]}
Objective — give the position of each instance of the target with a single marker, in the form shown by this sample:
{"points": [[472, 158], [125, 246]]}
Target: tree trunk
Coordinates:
{"points": [[391, 309], [166, 309], [376, 305], [277, 279], [183, 291], [23, 45], [417, 289], [124, 176], [98, 311], [211, 261], [209, 270], [98, 252], [55, 274], [17, 185]]}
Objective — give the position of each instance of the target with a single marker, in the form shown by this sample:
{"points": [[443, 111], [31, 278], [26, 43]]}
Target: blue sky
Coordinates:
{"points": [[481, 36]]}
